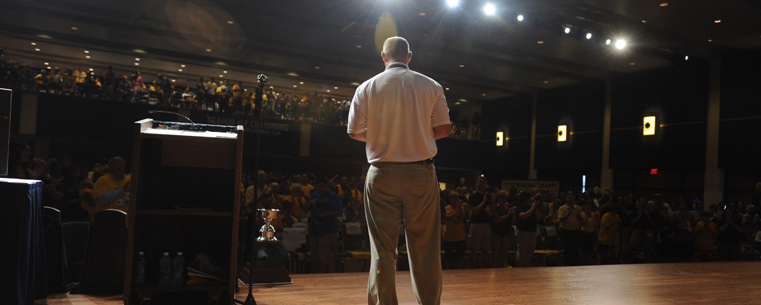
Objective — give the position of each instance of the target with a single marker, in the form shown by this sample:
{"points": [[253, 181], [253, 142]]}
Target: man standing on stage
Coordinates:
{"points": [[400, 114]]}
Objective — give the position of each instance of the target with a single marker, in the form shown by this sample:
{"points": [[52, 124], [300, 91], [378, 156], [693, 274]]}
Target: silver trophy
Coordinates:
{"points": [[267, 230]]}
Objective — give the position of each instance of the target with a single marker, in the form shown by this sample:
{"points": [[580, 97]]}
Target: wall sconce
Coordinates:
{"points": [[562, 132], [500, 138], [648, 126]]}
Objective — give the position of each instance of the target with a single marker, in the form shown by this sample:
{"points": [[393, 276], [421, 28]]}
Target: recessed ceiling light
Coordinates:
{"points": [[34, 43], [301, 83], [664, 4], [37, 49], [45, 36], [180, 70], [607, 41], [589, 36], [632, 63], [294, 74], [225, 72], [540, 42], [462, 66], [87, 52], [221, 75], [567, 30], [328, 90], [141, 51], [74, 28], [137, 64], [359, 46], [421, 14], [354, 84], [230, 22], [620, 44], [335, 88], [483, 94], [294, 86], [686, 57], [137, 58], [174, 80], [457, 103], [463, 100], [183, 66], [208, 50], [717, 21], [47, 63], [546, 82], [316, 67], [91, 69], [446, 89], [87, 56], [644, 21], [48, 67], [221, 63], [710, 40], [520, 17]]}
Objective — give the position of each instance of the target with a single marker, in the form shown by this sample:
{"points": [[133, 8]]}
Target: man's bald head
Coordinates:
{"points": [[396, 49]]}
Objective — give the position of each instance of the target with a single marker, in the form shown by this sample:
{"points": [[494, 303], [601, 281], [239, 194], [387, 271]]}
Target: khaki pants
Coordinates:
{"points": [[409, 193]]}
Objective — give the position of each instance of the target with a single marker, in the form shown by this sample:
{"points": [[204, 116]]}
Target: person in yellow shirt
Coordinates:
{"points": [[706, 232], [453, 232], [112, 189], [610, 224], [296, 199]]}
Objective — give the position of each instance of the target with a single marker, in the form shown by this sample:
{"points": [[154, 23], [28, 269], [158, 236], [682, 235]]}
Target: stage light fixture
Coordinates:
{"points": [[686, 57], [453, 3], [500, 138], [607, 42], [620, 44], [588, 36], [490, 9], [648, 125], [717, 21], [562, 133], [520, 17], [567, 30]]}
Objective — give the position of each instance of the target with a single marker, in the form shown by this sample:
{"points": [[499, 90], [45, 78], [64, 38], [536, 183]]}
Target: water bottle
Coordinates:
{"points": [[165, 270], [140, 269], [178, 270]]}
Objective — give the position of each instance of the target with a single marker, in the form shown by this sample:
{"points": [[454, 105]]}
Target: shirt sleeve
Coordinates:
{"points": [[440, 113], [357, 122]]}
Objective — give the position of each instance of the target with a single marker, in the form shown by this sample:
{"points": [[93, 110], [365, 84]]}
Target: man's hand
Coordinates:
{"points": [[440, 132], [362, 137]]}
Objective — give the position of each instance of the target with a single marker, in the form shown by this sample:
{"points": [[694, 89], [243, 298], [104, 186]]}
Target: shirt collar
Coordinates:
{"points": [[397, 65]]}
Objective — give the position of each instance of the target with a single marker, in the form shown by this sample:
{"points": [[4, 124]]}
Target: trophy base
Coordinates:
{"points": [[265, 275]]}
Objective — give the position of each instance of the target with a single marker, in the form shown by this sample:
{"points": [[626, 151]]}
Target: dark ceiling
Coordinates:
{"points": [[321, 45]]}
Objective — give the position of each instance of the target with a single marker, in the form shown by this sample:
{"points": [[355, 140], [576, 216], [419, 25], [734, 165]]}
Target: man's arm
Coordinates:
{"points": [[362, 137], [439, 132]]}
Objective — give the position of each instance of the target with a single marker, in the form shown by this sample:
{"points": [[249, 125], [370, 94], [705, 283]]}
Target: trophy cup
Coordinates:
{"points": [[270, 256], [267, 230]]}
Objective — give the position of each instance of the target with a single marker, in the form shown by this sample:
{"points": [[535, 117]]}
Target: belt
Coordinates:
{"points": [[421, 162]]}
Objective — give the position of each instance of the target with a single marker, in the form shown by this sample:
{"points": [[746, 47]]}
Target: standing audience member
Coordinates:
{"points": [[502, 220], [111, 189], [526, 223], [570, 216], [610, 226], [706, 232], [453, 232], [729, 238], [588, 234], [479, 235], [325, 209]]}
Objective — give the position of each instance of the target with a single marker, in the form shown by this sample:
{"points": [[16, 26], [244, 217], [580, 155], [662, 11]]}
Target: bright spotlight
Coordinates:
{"points": [[490, 9], [520, 17], [453, 3], [607, 42], [567, 30], [620, 44], [589, 36], [686, 57]]}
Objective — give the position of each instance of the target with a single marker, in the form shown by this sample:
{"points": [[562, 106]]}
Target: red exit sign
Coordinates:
{"points": [[653, 171]]}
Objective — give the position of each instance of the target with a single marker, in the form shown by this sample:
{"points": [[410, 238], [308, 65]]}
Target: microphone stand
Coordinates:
{"points": [[258, 112]]}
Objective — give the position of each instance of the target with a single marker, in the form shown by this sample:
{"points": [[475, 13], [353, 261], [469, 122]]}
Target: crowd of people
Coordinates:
{"points": [[208, 94], [482, 227]]}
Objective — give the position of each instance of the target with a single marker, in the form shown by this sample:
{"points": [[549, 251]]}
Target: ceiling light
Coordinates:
{"points": [[294, 86], [225, 72], [354, 84], [462, 66], [92, 70], [179, 70], [490, 9], [221, 63], [463, 100], [37, 49], [174, 80], [87, 56], [446, 89], [292, 74], [45, 36], [717, 21], [567, 30], [664, 4], [421, 14], [301, 83], [137, 64], [607, 41], [230, 22], [546, 82], [500, 138], [359, 46], [74, 28], [208, 50], [87, 52], [710, 40], [483, 94], [644, 21], [686, 57], [48, 67], [588, 36], [457, 103], [328, 90], [221, 75], [34, 43], [141, 51], [137, 58], [453, 3], [540, 42], [47, 64], [183, 66], [335, 88], [520, 17], [316, 68], [632, 63], [562, 133], [620, 44]]}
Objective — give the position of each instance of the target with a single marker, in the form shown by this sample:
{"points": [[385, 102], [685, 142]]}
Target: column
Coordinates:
{"points": [[713, 188]]}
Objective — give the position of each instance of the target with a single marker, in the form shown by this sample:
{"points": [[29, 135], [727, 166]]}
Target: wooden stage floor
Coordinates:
{"points": [[688, 283]]}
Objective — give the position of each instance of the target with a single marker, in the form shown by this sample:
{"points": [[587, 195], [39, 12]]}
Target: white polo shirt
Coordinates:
{"points": [[398, 109]]}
